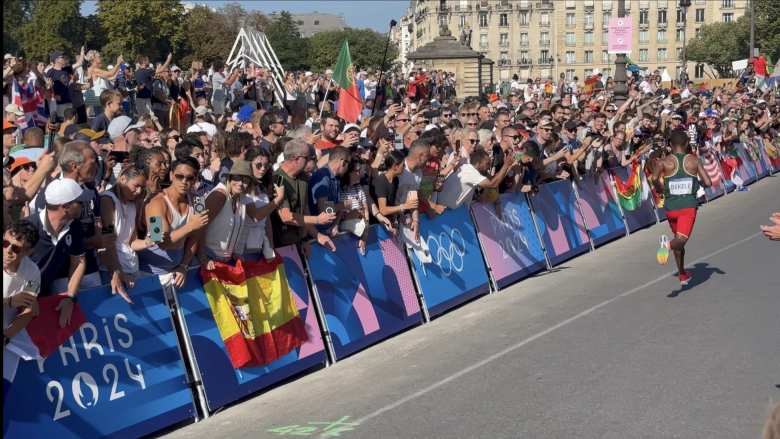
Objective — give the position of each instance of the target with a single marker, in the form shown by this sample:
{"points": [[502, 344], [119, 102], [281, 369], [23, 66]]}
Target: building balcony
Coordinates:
{"points": [[505, 62], [544, 43], [662, 25], [546, 60], [548, 5], [503, 44], [484, 45], [544, 24], [504, 7], [524, 5], [524, 62], [588, 26], [524, 43]]}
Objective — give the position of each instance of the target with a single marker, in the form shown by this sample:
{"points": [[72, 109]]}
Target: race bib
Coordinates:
{"points": [[683, 186]]}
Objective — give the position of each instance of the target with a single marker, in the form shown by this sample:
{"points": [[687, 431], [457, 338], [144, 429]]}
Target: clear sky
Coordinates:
{"points": [[358, 13]]}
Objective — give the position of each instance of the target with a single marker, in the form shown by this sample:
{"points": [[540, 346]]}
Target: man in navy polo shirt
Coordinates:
{"points": [[325, 182], [59, 252]]}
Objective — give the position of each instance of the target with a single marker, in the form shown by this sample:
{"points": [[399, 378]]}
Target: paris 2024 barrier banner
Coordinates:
{"points": [[120, 374], [642, 216], [600, 208], [364, 298], [560, 222], [456, 271], [509, 238], [224, 384]]}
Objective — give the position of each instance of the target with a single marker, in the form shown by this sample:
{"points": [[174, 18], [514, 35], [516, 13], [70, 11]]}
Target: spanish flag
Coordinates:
{"points": [[254, 310], [629, 192]]}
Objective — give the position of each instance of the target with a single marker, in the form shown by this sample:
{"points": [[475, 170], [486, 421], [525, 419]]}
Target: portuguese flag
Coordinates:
{"points": [[630, 191], [350, 104], [254, 310]]}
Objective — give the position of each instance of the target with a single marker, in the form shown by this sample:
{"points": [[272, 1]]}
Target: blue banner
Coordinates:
{"points": [[642, 216], [457, 272], [747, 169], [365, 298], [222, 383], [560, 223], [754, 151], [119, 375], [512, 247], [600, 208]]}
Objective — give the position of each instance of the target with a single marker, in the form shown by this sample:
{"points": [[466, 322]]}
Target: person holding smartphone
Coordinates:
{"points": [[21, 279]]}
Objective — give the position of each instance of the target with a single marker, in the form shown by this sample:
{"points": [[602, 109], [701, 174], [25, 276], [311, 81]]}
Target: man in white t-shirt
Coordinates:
{"points": [[21, 278], [459, 187], [201, 125]]}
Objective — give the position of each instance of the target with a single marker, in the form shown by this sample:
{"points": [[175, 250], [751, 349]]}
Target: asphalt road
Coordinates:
{"points": [[606, 347]]}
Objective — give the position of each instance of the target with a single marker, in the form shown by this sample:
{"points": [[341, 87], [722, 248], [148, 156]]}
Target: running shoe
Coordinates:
{"points": [[662, 255], [685, 278]]}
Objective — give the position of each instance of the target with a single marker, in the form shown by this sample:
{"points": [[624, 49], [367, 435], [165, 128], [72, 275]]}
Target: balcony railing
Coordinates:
{"points": [[524, 62], [544, 43], [546, 60], [503, 44], [523, 43], [505, 62], [544, 5]]}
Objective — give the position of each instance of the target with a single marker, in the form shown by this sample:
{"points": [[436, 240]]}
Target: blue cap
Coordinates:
{"points": [[245, 113]]}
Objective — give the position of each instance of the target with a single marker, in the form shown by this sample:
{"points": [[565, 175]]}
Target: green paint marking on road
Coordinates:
{"points": [[329, 429]]}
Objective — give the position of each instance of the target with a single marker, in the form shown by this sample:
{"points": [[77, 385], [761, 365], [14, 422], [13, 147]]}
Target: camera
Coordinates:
{"points": [[199, 204]]}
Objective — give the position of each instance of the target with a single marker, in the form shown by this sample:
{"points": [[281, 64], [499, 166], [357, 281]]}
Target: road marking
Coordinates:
{"points": [[537, 336]]}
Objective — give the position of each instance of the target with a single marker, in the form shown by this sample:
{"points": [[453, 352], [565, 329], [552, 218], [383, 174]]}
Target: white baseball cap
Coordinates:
{"points": [[62, 191], [118, 126]]}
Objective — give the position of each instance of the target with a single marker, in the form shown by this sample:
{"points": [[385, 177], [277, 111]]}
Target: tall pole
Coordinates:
{"points": [[382, 68], [752, 28], [621, 89], [683, 77]]}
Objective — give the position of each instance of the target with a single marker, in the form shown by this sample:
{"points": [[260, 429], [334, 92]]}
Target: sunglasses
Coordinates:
{"points": [[184, 178], [446, 115], [471, 124], [261, 165], [14, 248], [473, 141], [242, 178], [545, 129], [403, 120], [176, 138], [471, 114], [28, 167]]}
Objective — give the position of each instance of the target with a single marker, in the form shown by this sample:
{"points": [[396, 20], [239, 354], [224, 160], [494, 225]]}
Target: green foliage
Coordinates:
{"points": [[719, 44], [15, 14], [53, 25], [291, 49], [135, 27], [768, 27], [366, 47]]}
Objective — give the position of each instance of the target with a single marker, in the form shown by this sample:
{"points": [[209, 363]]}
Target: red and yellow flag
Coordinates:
{"points": [[350, 104], [254, 310], [629, 191]]}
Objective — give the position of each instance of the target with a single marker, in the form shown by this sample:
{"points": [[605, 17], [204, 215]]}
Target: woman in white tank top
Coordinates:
{"points": [[100, 78]]}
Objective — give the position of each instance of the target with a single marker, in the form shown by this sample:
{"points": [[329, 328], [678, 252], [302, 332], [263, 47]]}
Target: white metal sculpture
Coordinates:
{"points": [[252, 47]]}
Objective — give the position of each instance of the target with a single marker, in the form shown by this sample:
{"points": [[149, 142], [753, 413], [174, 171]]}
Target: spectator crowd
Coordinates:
{"points": [[116, 171]]}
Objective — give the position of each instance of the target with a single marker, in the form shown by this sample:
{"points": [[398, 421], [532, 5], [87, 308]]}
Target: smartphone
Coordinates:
{"points": [[278, 180], [155, 229], [108, 229], [398, 141], [199, 204]]}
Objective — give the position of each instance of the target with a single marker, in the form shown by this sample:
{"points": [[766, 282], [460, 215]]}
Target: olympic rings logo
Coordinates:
{"points": [[447, 251], [508, 233]]}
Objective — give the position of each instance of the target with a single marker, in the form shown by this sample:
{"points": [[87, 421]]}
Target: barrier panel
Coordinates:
{"points": [[560, 223], [755, 151], [644, 215], [511, 243], [367, 298], [600, 208], [747, 168], [457, 272], [770, 154], [120, 374], [222, 383]]}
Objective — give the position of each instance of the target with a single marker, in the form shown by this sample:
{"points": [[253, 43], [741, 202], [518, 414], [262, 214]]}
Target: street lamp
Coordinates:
{"points": [[684, 5], [620, 89]]}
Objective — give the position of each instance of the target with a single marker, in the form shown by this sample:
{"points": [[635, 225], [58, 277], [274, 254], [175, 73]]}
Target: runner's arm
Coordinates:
{"points": [[703, 176]]}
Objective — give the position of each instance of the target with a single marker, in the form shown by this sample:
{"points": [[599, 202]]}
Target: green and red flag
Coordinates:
{"points": [[630, 191], [350, 104]]}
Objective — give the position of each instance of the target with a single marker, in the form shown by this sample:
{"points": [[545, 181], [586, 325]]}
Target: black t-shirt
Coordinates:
{"points": [[382, 188], [295, 195], [144, 77], [100, 123], [61, 82], [54, 259]]}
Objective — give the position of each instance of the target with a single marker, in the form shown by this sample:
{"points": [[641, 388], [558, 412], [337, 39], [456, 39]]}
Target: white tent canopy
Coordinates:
{"points": [[252, 47]]}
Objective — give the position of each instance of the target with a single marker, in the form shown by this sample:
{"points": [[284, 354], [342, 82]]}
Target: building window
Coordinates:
{"points": [[525, 4], [662, 54], [545, 39], [503, 40], [570, 20], [728, 3], [523, 18], [662, 16], [524, 39], [698, 72], [504, 57], [462, 21], [698, 31], [300, 22], [483, 41], [544, 19], [680, 16], [679, 53], [644, 16], [483, 19], [700, 15], [571, 58], [588, 57], [589, 20], [316, 22], [570, 39], [588, 73], [679, 35], [589, 38], [605, 57], [605, 17], [728, 17], [661, 36], [503, 20], [643, 55], [524, 56], [607, 72], [571, 4], [605, 37], [570, 74], [606, 5], [644, 36]]}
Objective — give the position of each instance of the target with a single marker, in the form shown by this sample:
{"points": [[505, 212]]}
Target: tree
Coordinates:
{"points": [[291, 49], [768, 27], [140, 27], [16, 13], [719, 44], [365, 45], [53, 25]]}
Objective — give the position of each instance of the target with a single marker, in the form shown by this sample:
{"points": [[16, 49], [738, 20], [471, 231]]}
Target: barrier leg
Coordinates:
{"points": [[538, 233], [187, 354], [582, 215], [318, 311], [614, 194], [418, 290], [491, 279]]}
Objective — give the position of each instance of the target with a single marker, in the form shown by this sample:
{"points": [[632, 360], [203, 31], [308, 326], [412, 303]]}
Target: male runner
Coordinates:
{"points": [[676, 175]]}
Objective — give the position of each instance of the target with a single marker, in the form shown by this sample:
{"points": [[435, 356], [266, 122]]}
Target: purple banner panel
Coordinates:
{"points": [[642, 216], [560, 223], [600, 208]]}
